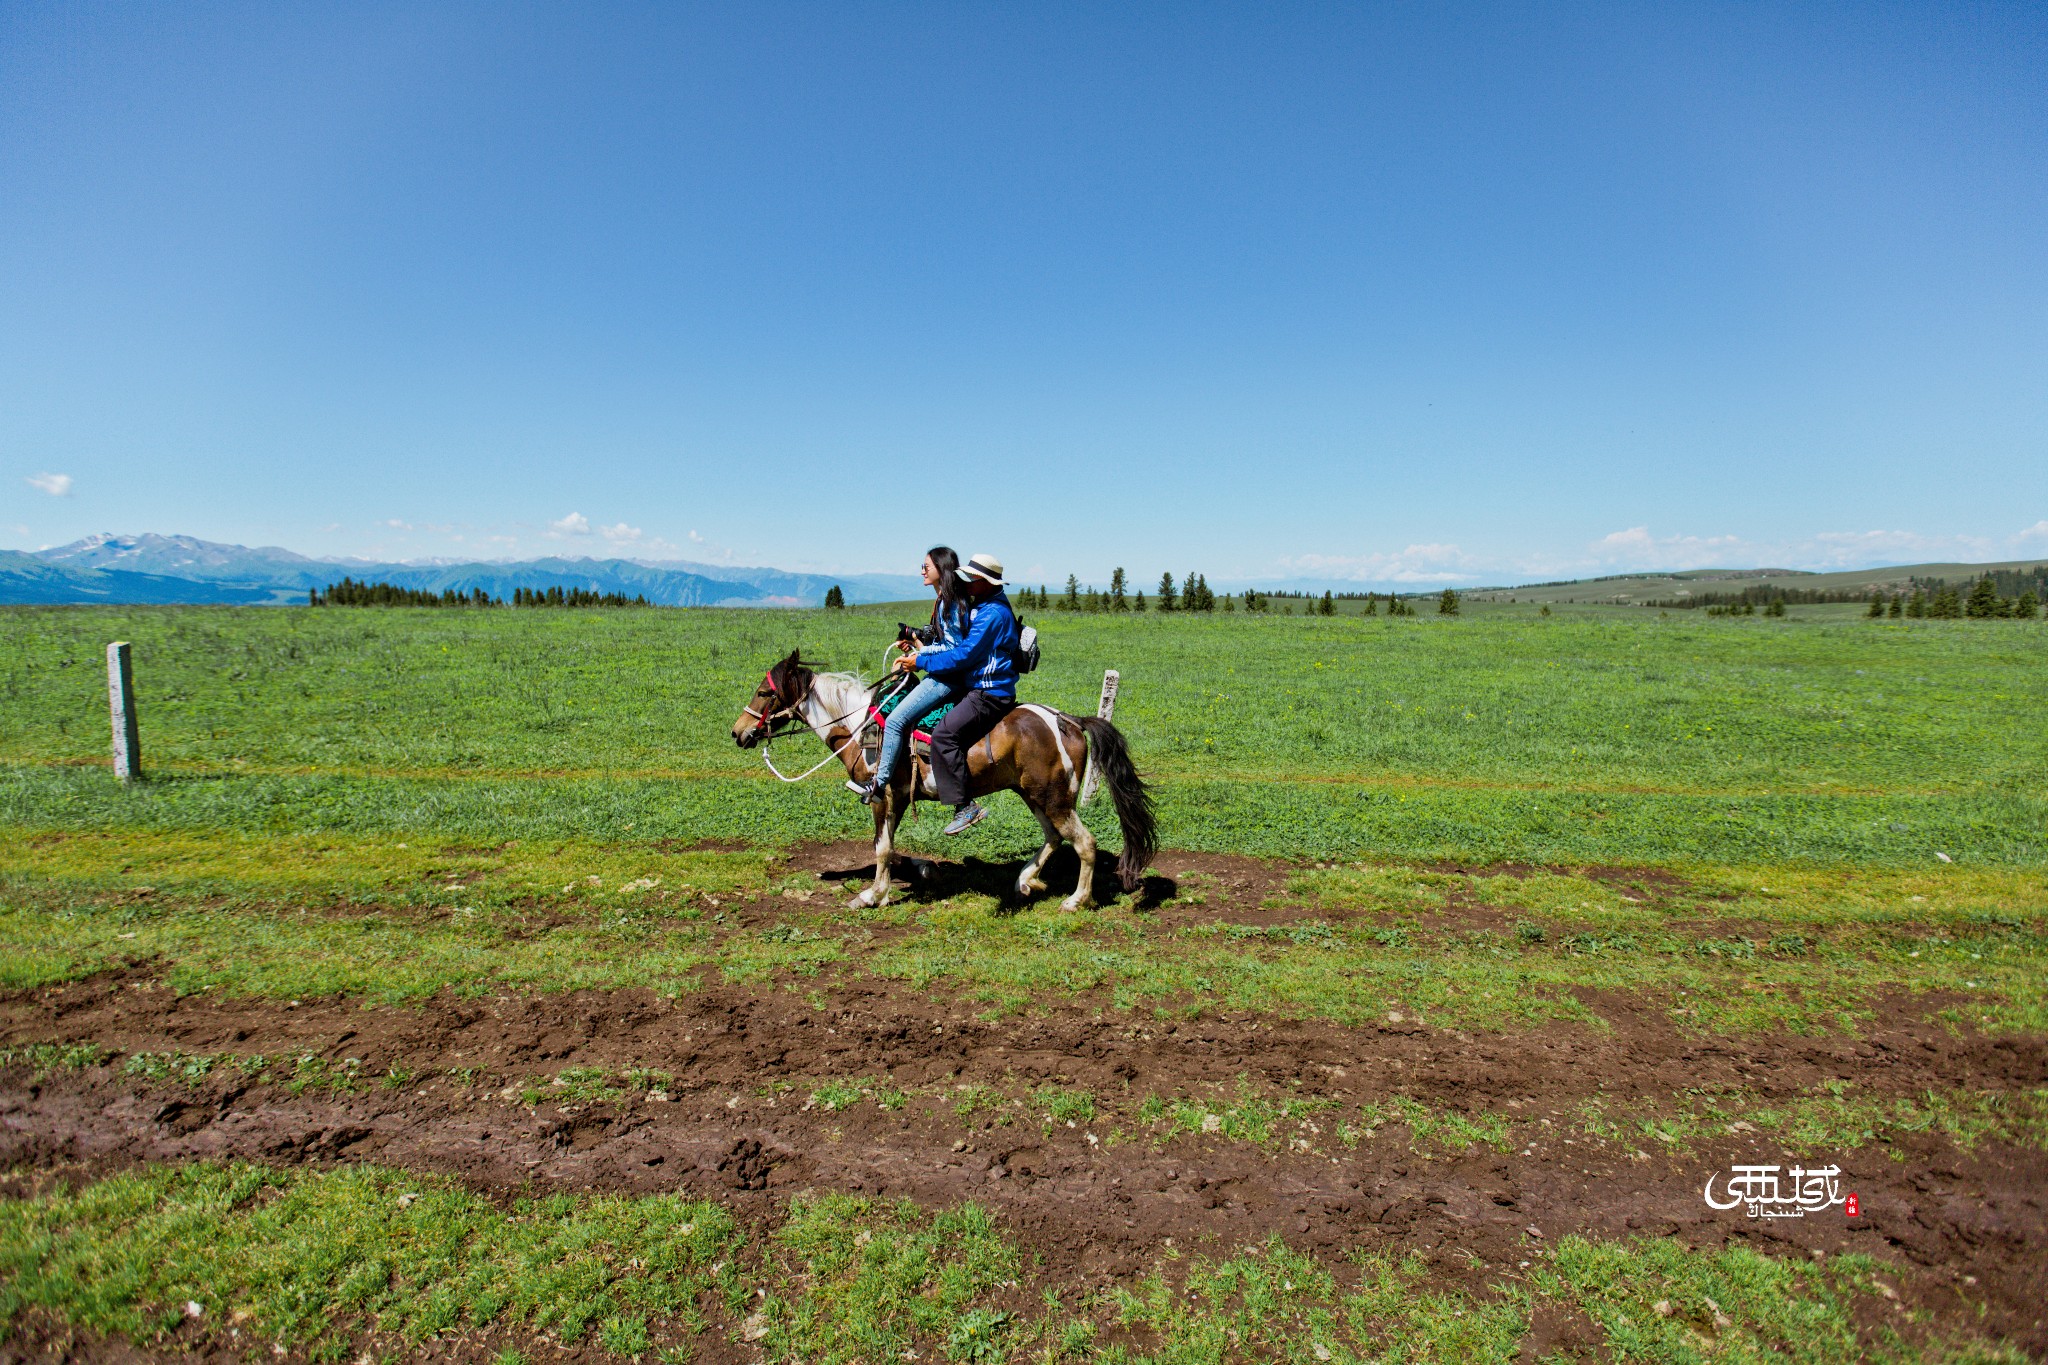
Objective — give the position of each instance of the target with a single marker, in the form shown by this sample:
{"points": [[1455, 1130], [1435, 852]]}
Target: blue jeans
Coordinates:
{"points": [[896, 734]]}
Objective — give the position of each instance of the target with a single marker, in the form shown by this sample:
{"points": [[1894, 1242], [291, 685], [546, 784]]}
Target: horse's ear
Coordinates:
{"points": [[780, 674]]}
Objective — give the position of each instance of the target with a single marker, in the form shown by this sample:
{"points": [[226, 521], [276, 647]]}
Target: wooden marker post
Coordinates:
{"points": [[1105, 710], [121, 705]]}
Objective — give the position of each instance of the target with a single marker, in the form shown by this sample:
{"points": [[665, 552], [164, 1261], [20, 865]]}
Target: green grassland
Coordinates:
{"points": [[1596, 737], [507, 799], [503, 799]]}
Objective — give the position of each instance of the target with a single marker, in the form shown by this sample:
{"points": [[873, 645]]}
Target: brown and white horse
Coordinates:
{"points": [[1043, 755]]}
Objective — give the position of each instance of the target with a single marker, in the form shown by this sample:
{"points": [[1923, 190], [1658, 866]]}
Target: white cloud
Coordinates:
{"points": [[1435, 563], [395, 524], [56, 485], [1636, 548], [575, 524], [2038, 531], [622, 534], [1856, 549], [705, 548]]}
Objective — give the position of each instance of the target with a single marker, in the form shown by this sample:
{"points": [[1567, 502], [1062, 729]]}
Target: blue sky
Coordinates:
{"points": [[1392, 293]]}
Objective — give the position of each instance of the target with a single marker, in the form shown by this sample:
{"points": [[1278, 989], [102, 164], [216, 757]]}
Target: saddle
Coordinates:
{"points": [[921, 732]]}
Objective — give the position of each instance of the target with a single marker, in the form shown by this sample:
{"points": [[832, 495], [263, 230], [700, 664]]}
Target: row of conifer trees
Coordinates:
{"points": [[1192, 593], [1945, 602], [349, 593]]}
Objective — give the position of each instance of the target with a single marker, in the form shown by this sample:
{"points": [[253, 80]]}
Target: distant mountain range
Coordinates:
{"points": [[166, 569], [162, 569]]}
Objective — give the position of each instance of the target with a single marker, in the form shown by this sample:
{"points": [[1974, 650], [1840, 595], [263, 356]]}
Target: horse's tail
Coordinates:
{"points": [[1108, 755]]}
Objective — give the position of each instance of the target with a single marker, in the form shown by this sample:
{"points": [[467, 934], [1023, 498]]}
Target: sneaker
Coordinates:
{"points": [[867, 791], [964, 819]]}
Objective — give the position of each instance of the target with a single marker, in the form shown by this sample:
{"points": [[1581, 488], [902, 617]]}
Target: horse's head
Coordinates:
{"points": [[779, 696]]}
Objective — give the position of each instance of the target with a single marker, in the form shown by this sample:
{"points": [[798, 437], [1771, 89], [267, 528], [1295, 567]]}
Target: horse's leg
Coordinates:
{"points": [[887, 815], [1028, 881], [1069, 821]]}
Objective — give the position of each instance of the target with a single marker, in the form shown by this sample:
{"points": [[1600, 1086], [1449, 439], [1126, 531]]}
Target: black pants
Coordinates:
{"points": [[976, 715]]}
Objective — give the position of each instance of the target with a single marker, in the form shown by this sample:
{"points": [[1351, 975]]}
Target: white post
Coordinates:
{"points": [[1105, 710], [121, 705]]}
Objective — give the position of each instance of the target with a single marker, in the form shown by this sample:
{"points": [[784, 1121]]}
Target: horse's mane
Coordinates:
{"points": [[840, 686], [851, 681]]}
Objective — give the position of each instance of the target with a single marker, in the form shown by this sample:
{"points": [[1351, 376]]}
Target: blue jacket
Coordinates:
{"points": [[985, 661]]}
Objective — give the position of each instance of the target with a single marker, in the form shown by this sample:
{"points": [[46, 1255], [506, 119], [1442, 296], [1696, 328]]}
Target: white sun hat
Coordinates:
{"points": [[985, 567]]}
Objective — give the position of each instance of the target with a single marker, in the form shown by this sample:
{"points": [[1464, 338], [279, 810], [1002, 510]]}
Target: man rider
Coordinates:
{"points": [[984, 662]]}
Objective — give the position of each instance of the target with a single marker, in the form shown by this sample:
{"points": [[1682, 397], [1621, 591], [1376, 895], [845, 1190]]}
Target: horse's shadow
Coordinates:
{"points": [[933, 879]]}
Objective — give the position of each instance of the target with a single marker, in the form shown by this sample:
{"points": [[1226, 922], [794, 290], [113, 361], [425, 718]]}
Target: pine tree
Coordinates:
{"points": [[1372, 604], [1916, 606], [1138, 602], [1230, 603], [1117, 601], [1166, 597], [1876, 608], [1898, 606], [1328, 606], [834, 599], [1983, 603], [1094, 599], [1776, 607], [1447, 605], [1072, 601], [2028, 605]]}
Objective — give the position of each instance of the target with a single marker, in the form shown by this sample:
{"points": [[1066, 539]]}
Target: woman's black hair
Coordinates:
{"points": [[952, 592]]}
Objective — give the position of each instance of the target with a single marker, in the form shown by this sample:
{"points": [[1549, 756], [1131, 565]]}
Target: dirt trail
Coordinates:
{"points": [[1099, 1211], [1970, 1229]]}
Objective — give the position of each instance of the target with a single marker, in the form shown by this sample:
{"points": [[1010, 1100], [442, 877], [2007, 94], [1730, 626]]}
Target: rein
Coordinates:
{"points": [[794, 711]]}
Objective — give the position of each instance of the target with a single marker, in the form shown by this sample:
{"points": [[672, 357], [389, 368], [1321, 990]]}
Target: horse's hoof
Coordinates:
{"points": [[1077, 901], [1028, 886], [865, 900]]}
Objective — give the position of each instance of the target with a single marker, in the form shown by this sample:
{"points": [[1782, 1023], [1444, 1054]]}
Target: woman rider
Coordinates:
{"points": [[948, 625]]}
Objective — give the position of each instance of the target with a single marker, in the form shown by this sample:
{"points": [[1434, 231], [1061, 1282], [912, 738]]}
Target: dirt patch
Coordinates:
{"points": [[1650, 883], [735, 1120], [705, 846]]}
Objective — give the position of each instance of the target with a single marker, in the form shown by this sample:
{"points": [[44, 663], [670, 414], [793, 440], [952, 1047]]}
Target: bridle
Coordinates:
{"points": [[791, 710]]}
